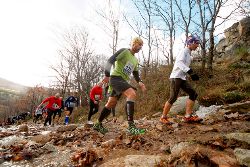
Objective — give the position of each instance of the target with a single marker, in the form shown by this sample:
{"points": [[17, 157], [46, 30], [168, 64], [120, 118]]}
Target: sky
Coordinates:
{"points": [[28, 35], [27, 43]]}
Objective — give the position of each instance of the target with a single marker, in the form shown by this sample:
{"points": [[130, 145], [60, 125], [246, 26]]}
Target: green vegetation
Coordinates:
{"points": [[241, 59], [242, 52], [234, 96], [6, 94]]}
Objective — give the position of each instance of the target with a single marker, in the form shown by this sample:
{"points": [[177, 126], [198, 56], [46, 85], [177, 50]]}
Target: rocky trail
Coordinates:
{"points": [[221, 139]]}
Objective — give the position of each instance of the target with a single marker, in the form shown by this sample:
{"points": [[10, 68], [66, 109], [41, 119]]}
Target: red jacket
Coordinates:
{"points": [[52, 103], [96, 93]]}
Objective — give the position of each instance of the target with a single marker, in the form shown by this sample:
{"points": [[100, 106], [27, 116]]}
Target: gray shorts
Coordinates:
{"points": [[119, 85]]}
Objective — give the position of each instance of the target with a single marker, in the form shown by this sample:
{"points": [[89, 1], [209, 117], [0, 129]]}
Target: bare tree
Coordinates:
{"points": [[168, 17], [111, 23], [143, 28], [213, 10], [63, 72], [209, 13], [204, 26], [79, 67], [244, 7], [185, 9], [33, 97]]}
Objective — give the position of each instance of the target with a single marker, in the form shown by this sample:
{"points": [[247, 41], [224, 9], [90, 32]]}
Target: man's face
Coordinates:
{"points": [[100, 84], [137, 47], [194, 46]]}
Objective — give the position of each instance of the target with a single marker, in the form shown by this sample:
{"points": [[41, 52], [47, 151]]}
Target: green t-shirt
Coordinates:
{"points": [[110, 89], [125, 64]]}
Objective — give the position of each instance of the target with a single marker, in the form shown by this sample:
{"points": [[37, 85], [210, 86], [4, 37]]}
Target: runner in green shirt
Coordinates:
{"points": [[125, 64]]}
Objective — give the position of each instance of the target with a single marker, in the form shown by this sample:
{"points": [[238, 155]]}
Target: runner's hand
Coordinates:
{"points": [[194, 77], [143, 88]]}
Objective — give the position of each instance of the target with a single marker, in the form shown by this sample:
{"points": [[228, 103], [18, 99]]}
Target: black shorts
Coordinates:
{"points": [[58, 112], [70, 109], [175, 85], [119, 85], [38, 115]]}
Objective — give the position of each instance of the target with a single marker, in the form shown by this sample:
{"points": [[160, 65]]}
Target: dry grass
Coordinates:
{"points": [[222, 85]]}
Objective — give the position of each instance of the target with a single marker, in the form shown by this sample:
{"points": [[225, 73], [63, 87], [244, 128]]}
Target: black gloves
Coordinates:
{"points": [[193, 76], [190, 71]]}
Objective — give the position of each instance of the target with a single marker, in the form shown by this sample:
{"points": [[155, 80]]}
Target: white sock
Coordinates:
{"points": [[164, 116]]}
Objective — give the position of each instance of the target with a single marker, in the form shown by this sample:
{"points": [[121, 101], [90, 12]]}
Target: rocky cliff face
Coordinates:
{"points": [[236, 36]]}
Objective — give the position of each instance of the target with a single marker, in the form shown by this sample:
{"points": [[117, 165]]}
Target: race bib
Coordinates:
{"points": [[55, 106], [38, 111], [72, 104], [128, 68], [97, 97]]}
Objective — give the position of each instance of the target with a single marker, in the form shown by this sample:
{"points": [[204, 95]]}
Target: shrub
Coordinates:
{"points": [[231, 87], [240, 64], [234, 96], [211, 99], [245, 86], [242, 52]]}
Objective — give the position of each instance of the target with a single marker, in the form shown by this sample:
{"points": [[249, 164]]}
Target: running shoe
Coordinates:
{"points": [[192, 119], [133, 130], [90, 122], [99, 127], [165, 121]]}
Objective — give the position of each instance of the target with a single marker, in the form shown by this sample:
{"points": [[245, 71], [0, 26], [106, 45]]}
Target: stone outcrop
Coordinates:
{"points": [[235, 36]]}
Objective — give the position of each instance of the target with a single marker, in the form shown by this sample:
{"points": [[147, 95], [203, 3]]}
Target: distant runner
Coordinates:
{"points": [[70, 103], [54, 103], [95, 97], [38, 114]]}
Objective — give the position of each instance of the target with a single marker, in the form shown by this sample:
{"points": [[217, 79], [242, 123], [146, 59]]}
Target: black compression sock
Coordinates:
{"points": [[104, 114], [130, 110]]}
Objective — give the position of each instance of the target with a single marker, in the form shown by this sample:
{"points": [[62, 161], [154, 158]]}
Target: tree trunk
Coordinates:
{"points": [[211, 51]]}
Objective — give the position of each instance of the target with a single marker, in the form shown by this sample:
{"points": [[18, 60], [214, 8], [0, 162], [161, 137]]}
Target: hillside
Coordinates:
{"points": [[10, 86]]}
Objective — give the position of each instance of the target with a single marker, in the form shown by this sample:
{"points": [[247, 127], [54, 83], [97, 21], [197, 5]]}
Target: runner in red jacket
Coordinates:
{"points": [[95, 98], [54, 103]]}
